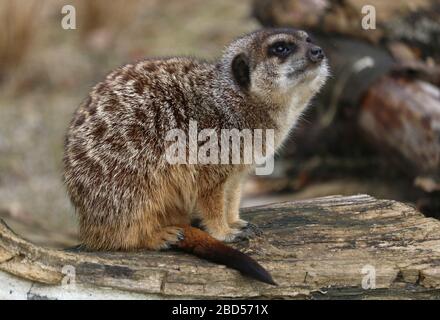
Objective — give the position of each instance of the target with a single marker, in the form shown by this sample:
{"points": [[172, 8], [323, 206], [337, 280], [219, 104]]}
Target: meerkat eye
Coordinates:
{"points": [[281, 49], [308, 39]]}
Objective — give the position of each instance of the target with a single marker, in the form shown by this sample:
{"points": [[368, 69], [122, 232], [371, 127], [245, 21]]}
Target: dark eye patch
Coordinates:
{"points": [[281, 49]]}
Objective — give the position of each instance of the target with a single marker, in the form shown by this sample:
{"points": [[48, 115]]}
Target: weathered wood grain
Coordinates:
{"points": [[314, 249]]}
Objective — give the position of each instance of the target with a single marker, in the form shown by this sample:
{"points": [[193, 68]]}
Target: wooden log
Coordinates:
{"points": [[324, 248], [402, 118]]}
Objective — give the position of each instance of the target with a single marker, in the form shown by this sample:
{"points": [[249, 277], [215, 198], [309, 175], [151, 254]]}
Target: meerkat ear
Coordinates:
{"points": [[240, 70]]}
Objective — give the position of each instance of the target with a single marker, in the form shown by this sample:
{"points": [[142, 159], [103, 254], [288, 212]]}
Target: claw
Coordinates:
{"points": [[180, 236], [248, 232], [254, 229]]}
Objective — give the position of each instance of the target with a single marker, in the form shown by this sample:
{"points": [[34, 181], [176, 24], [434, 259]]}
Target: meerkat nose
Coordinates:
{"points": [[315, 54]]}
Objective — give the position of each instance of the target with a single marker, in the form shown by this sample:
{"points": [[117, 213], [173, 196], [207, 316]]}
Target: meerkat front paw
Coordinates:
{"points": [[250, 231], [233, 236], [247, 229], [238, 224], [225, 235]]}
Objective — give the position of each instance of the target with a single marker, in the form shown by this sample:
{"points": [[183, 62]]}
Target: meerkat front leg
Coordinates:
{"points": [[233, 197], [212, 210]]}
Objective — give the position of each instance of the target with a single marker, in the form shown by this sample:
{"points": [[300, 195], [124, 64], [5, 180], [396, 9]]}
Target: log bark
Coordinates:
{"points": [[324, 248], [402, 118]]}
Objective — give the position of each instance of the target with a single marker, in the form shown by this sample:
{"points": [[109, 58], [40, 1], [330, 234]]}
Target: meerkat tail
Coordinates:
{"points": [[202, 245]]}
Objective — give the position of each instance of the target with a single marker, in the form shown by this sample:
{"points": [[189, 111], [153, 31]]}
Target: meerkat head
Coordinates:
{"points": [[277, 64]]}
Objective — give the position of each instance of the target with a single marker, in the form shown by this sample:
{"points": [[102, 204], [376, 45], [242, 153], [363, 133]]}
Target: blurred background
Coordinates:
{"points": [[374, 129]]}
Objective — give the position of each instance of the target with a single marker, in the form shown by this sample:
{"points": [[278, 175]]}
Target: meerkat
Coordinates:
{"points": [[128, 196]]}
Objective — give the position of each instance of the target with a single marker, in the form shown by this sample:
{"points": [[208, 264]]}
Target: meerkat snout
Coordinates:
{"points": [[315, 54]]}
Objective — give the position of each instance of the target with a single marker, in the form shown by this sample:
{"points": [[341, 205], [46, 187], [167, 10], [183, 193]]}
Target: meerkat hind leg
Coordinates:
{"points": [[165, 238], [162, 230]]}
